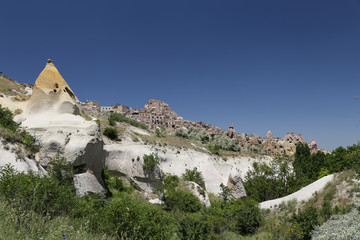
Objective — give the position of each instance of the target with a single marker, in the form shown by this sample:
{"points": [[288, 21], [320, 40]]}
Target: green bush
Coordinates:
{"points": [[307, 220], [245, 216], [6, 119], [111, 133], [30, 192], [284, 230], [128, 218], [265, 182], [194, 227], [181, 132], [225, 192], [171, 182], [117, 117], [27, 139], [326, 210], [193, 134], [214, 149], [195, 176], [181, 200], [226, 143], [150, 162], [116, 183], [61, 170], [158, 133]]}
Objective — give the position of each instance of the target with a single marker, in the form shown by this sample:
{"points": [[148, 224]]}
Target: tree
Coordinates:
{"points": [[150, 162], [195, 176], [302, 160], [264, 182], [225, 193]]}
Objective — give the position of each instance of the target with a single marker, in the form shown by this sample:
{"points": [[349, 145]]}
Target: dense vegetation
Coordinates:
{"points": [[122, 216], [46, 207], [264, 182], [222, 142], [11, 132], [118, 117]]}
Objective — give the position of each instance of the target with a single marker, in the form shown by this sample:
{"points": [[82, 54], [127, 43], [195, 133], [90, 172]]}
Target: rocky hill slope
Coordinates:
{"points": [[51, 112]]}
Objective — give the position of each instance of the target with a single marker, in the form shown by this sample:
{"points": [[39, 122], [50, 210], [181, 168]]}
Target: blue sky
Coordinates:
{"points": [[280, 65]]}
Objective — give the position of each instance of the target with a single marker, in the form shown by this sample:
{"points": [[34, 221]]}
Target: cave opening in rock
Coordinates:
{"points": [[71, 94]]}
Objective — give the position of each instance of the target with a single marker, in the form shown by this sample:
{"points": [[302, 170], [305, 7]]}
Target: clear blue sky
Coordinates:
{"points": [[279, 65]]}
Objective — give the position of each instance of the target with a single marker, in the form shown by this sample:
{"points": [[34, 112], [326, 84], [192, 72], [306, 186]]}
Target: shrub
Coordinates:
{"points": [[27, 139], [158, 133], [285, 230], [129, 218], [307, 220], [339, 227], [194, 227], [181, 132], [226, 143], [115, 183], [246, 216], [171, 182], [181, 200], [111, 133], [61, 170], [6, 119], [30, 192], [117, 117], [225, 193], [193, 133], [214, 149], [326, 210], [194, 176], [150, 162]]}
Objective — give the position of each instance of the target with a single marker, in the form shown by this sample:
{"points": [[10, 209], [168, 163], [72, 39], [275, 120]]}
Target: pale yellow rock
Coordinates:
{"points": [[50, 78], [51, 96]]}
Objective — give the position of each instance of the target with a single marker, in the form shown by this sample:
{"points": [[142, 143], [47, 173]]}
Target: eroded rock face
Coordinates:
{"points": [[125, 159], [52, 116], [235, 184], [87, 183], [8, 155], [199, 192], [313, 146]]}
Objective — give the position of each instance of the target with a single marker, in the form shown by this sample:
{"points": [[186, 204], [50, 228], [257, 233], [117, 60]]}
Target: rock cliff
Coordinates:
{"points": [[52, 115]]}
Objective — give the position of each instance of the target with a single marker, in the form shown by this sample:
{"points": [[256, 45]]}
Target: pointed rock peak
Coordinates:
{"points": [[50, 64], [50, 78], [312, 141]]}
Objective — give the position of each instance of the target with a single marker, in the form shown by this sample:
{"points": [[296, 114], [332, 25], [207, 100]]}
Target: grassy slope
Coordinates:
{"points": [[33, 226], [10, 87]]}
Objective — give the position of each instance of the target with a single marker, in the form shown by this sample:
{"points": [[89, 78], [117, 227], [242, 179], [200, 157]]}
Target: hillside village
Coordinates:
{"points": [[158, 115]]}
